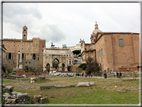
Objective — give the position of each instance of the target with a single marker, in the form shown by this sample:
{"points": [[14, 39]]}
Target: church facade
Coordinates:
{"points": [[112, 50]]}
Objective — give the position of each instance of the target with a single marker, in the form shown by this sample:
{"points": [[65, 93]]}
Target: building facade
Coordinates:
{"points": [[23, 52], [112, 50], [62, 56]]}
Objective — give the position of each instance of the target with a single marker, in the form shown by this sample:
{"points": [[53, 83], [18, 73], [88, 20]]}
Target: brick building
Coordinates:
{"points": [[30, 51], [112, 50]]}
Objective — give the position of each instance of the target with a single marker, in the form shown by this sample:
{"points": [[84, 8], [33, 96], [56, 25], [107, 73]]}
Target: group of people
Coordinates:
{"points": [[119, 74]]}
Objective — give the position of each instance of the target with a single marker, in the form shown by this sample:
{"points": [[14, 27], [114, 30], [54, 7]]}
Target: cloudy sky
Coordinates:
{"points": [[67, 23]]}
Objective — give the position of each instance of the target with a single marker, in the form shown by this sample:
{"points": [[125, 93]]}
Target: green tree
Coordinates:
{"points": [[76, 52], [35, 70]]}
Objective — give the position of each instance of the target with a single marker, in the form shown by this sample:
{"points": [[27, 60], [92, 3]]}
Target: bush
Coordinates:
{"points": [[76, 52], [79, 69], [83, 66]]}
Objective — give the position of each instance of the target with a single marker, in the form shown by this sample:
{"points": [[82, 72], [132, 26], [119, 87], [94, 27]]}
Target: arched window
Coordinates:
{"points": [[121, 42], [22, 56], [9, 56], [34, 56]]}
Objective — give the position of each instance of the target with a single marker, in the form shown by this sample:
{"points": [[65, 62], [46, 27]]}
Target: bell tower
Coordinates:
{"points": [[24, 33]]}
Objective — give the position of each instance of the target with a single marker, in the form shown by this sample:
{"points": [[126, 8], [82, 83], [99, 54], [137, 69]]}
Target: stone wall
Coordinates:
{"points": [[22, 72], [131, 69], [73, 67]]}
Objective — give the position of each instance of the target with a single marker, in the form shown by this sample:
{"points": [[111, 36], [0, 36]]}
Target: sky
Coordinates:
{"points": [[67, 23]]}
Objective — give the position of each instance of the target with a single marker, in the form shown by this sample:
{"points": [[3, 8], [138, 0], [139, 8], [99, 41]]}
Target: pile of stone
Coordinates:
{"points": [[16, 98], [7, 88], [39, 99], [85, 84], [20, 98]]}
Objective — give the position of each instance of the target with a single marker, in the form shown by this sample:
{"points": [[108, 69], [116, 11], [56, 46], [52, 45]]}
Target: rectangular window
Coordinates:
{"points": [[99, 53], [121, 42], [86, 56], [92, 56]]}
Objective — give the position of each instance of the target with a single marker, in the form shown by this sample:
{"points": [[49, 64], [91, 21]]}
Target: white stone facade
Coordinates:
{"points": [[77, 47], [64, 56]]}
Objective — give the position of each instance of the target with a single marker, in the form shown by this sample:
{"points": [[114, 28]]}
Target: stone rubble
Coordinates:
{"points": [[20, 98], [39, 99]]}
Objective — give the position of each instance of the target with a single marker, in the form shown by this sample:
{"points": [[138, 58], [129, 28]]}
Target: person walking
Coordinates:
{"points": [[104, 75], [117, 74], [114, 74], [120, 74], [85, 75], [91, 75]]}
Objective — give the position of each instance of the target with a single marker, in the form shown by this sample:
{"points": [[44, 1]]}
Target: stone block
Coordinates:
{"points": [[2, 85], [36, 99], [92, 84], [11, 101], [43, 100], [6, 95], [83, 84], [9, 88]]}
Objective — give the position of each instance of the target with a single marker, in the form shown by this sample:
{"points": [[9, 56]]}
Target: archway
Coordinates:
{"points": [[48, 67], [63, 67], [55, 64]]}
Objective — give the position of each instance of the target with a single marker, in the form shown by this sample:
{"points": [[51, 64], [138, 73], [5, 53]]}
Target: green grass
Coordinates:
{"points": [[7, 80], [83, 95]]}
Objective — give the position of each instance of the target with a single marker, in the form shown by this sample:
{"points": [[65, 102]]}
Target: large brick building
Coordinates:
{"points": [[30, 51], [112, 50]]}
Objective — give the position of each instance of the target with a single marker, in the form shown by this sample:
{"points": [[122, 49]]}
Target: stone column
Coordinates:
{"points": [[17, 61], [44, 56], [66, 64], [20, 62], [60, 64], [50, 58]]}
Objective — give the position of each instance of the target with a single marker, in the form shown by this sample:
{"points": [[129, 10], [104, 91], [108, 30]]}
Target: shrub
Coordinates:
{"points": [[79, 69]]}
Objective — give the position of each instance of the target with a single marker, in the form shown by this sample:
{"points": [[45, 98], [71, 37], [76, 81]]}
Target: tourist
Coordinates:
{"points": [[91, 75], [114, 74], [104, 75], [117, 74], [85, 75], [120, 74]]}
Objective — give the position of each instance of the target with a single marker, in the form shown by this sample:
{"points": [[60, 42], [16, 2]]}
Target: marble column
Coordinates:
{"points": [[17, 61], [20, 62]]}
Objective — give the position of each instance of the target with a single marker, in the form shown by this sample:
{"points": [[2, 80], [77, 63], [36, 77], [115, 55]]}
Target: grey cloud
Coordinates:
{"points": [[49, 32], [18, 15], [14, 10]]}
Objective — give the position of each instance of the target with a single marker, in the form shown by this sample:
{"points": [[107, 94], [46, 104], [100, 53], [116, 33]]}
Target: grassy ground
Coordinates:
{"points": [[103, 93]]}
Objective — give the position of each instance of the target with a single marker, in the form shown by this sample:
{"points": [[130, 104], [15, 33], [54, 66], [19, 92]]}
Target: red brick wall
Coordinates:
{"points": [[131, 69], [21, 72]]}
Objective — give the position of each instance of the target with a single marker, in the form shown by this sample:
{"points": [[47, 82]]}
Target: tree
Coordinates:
{"points": [[92, 66], [76, 52], [7, 68], [35, 70]]}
